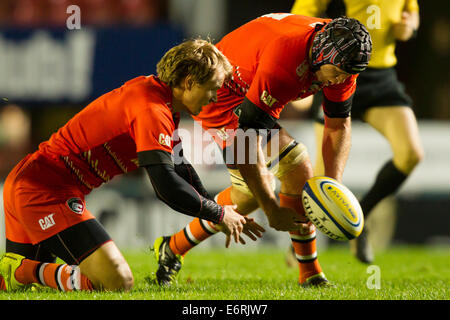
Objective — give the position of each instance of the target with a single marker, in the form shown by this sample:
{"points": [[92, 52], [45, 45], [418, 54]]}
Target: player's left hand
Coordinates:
{"points": [[252, 229]]}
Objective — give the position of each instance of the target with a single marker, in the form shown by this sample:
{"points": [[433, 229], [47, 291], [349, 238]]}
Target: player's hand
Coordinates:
{"points": [[232, 224], [285, 219], [252, 229], [404, 29], [307, 228]]}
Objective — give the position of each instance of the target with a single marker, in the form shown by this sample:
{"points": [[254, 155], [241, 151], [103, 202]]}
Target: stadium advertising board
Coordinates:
{"points": [[60, 65]]}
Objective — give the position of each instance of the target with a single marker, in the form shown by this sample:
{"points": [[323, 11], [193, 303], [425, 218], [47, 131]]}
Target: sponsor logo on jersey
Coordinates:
{"points": [[76, 205], [301, 69], [47, 222], [222, 134], [165, 139], [267, 99], [237, 111]]}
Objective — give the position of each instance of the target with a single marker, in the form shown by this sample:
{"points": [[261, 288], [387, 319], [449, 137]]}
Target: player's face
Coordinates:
{"points": [[329, 75], [198, 95]]}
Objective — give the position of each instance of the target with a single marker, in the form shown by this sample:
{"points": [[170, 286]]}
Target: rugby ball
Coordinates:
{"points": [[332, 208]]}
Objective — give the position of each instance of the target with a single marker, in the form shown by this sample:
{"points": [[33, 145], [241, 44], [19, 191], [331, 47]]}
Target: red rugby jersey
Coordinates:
{"points": [[103, 139], [270, 67]]}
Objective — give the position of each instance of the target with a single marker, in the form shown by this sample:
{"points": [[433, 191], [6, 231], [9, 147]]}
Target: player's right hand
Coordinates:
{"points": [[285, 219], [404, 29], [232, 224]]}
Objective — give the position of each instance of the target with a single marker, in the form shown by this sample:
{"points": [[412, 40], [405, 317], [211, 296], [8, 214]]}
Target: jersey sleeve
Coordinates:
{"points": [[275, 82], [338, 98], [411, 6], [341, 92], [152, 129], [311, 8]]}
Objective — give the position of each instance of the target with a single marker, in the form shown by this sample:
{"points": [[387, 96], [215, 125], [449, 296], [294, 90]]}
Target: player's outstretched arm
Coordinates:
{"points": [[182, 197], [251, 163], [185, 170], [336, 146]]}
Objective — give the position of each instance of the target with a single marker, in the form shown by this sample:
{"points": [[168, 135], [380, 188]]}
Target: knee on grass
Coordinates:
{"points": [[120, 279]]}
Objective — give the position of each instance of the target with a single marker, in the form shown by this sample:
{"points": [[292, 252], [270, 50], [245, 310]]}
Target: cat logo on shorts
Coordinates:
{"points": [[76, 205], [47, 222]]}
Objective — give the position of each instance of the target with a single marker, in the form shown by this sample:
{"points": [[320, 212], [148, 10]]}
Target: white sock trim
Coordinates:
{"points": [[41, 273], [191, 236]]}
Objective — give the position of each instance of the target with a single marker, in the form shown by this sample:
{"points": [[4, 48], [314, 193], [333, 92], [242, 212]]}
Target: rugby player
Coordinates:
{"points": [[380, 99], [277, 58], [130, 127]]}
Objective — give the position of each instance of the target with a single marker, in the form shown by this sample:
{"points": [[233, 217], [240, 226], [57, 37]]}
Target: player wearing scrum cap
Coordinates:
{"points": [[277, 58], [129, 127], [380, 99]]}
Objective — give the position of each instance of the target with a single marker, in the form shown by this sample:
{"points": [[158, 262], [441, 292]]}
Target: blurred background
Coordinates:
{"points": [[50, 68]]}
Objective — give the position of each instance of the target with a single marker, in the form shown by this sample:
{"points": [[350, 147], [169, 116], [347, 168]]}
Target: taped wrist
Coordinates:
{"points": [[211, 211]]}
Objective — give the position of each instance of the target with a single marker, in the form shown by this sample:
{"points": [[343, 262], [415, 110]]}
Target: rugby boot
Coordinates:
{"points": [[361, 248], [317, 281], [8, 266], [169, 262]]}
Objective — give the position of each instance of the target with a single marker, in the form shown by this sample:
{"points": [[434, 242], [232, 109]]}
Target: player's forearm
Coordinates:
{"points": [[259, 183], [336, 146], [181, 196], [251, 120], [258, 178], [188, 173]]}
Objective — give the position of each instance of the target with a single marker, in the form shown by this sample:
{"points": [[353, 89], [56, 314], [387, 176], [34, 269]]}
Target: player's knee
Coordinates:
{"points": [[115, 275], [124, 279], [411, 158], [121, 280], [414, 156]]}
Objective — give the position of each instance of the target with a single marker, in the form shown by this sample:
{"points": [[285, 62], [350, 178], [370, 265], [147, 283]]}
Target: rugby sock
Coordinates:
{"points": [[58, 276], [198, 229], [194, 233], [387, 182], [303, 241], [62, 277]]}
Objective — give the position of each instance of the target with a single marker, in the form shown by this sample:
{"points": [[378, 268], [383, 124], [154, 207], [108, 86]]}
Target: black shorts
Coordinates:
{"points": [[375, 88], [71, 245]]}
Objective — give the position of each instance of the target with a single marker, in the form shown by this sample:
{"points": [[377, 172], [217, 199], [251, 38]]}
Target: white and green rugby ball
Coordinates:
{"points": [[332, 208]]}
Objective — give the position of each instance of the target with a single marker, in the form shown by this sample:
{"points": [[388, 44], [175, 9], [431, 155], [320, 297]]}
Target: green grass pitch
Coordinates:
{"points": [[400, 273]]}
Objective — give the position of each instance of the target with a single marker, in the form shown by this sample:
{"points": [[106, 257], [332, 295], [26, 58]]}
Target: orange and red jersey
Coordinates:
{"points": [[270, 58], [103, 140]]}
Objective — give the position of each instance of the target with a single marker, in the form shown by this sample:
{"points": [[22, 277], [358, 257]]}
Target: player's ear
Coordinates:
{"points": [[188, 82]]}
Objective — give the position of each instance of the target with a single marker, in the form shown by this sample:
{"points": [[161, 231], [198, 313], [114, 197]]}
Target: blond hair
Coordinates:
{"points": [[198, 58]]}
